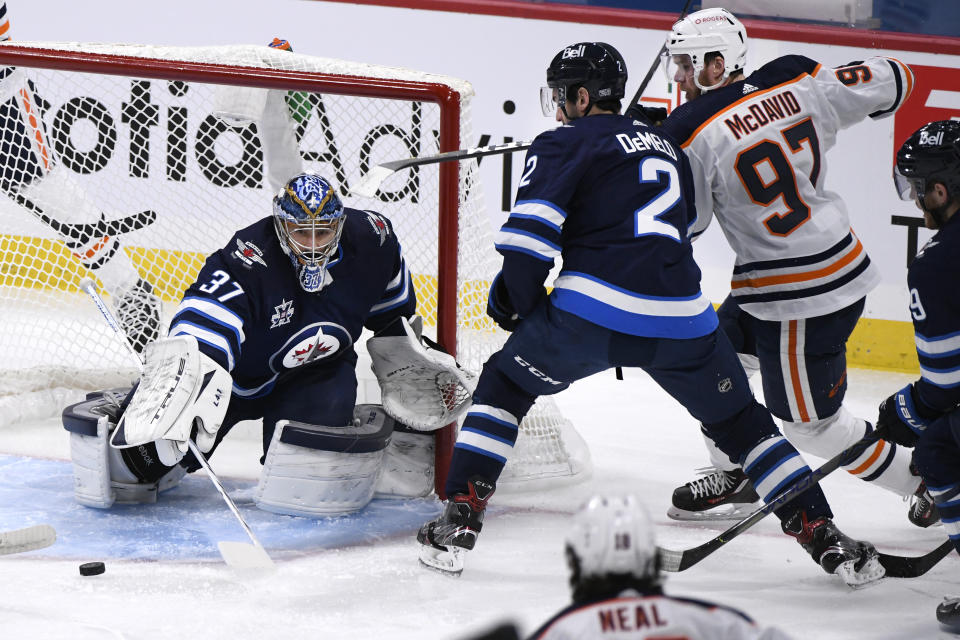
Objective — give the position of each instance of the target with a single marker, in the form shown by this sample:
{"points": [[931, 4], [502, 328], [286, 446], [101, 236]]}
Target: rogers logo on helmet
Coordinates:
{"points": [[709, 19]]}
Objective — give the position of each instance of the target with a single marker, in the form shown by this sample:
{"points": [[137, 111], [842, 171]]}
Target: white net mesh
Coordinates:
{"points": [[115, 164]]}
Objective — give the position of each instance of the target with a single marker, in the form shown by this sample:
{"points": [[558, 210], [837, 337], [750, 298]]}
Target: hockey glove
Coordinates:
{"points": [[653, 116], [904, 416], [499, 307]]}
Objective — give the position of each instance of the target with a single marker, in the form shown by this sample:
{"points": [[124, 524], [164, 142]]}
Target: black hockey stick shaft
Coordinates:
{"points": [[681, 560], [656, 62]]}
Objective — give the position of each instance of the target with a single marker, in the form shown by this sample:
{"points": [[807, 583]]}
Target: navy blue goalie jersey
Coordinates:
{"points": [[250, 314], [613, 198]]}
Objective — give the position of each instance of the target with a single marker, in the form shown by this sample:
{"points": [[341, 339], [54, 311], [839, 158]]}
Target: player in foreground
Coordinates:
{"points": [[613, 197], [32, 176], [615, 580], [926, 414], [267, 332], [756, 146]]}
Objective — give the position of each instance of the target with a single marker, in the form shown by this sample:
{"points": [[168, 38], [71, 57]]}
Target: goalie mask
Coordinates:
{"points": [[702, 32], [595, 66], [931, 154], [308, 217], [612, 539]]}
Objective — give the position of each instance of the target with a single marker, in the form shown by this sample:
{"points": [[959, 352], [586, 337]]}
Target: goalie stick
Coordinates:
{"points": [[238, 555], [370, 183], [27, 539], [673, 561]]}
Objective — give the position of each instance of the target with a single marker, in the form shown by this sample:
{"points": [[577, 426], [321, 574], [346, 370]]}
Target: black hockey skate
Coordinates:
{"points": [[718, 495], [948, 613], [444, 541], [923, 512], [138, 312], [856, 562]]}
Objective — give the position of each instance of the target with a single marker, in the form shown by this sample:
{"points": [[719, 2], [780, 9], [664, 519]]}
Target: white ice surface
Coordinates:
{"points": [[641, 441]]}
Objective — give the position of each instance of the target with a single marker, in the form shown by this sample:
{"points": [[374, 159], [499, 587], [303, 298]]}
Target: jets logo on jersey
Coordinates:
{"points": [[249, 253], [379, 226], [282, 314], [318, 341]]}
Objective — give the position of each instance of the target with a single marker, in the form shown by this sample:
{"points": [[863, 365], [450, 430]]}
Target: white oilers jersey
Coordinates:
{"points": [[653, 617], [757, 149]]}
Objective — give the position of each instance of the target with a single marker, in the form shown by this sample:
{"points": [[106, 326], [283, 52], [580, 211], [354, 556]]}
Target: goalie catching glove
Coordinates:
{"points": [[182, 394], [421, 387]]}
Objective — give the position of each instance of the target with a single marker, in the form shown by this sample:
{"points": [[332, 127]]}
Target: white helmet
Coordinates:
{"points": [[612, 535], [703, 32]]}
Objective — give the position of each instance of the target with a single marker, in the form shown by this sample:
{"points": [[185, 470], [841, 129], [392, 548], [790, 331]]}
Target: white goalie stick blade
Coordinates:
{"points": [[245, 557], [27, 539], [448, 561], [868, 574], [368, 186]]}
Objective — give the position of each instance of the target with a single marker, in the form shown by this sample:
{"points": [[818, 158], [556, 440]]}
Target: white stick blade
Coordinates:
{"points": [[370, 183], [244, 556], [27, 539]]}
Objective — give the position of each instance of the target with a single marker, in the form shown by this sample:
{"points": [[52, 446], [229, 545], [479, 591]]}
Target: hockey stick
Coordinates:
{"points": [[671, 560], [80, 234], [238, 555], [908, 567], [27, 539], [370, 183], [656, 61]]}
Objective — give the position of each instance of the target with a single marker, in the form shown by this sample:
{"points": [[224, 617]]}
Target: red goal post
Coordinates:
{"points": [[359, 115]]}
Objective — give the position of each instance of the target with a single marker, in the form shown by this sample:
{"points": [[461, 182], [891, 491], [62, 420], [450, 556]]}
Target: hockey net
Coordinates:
{"points": [[141, 180]]}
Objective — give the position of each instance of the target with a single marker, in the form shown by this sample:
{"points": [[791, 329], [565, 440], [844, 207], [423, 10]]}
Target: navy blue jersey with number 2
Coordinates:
{"points": [[613, 198]]}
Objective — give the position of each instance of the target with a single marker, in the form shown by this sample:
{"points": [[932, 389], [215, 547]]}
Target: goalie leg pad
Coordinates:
{"points": [[101, 476], [313, 470], [407, 470]]}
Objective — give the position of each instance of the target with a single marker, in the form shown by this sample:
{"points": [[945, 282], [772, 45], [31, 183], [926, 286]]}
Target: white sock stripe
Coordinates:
{"points": [[778, 474], [494, 412], [485, 443], [759, 450]]}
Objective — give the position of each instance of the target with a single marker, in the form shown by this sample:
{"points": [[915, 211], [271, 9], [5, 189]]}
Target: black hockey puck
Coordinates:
{"points": [[92, 569]]}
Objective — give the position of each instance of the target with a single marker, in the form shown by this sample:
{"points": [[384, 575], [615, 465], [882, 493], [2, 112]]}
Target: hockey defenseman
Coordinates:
{"points": [[926, 414], [267, 332], [756, 146], [31, 176], [613, 197], [615, 580]]}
